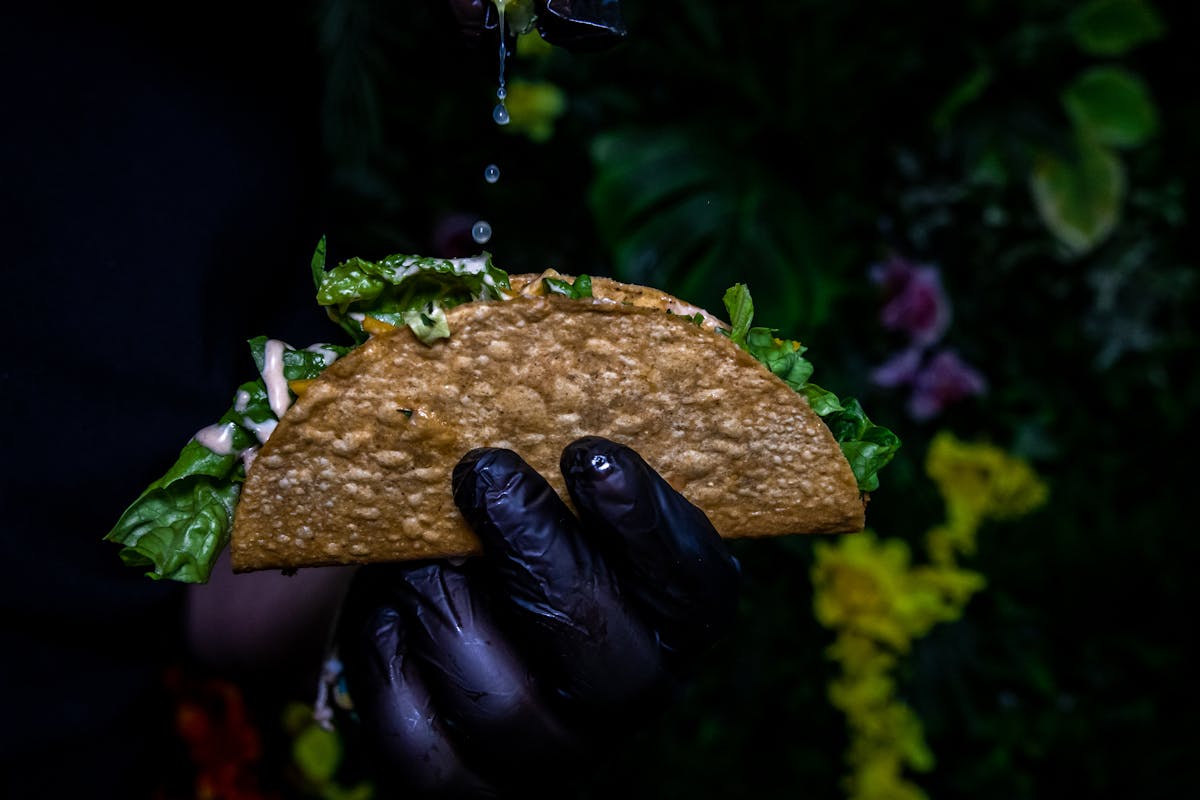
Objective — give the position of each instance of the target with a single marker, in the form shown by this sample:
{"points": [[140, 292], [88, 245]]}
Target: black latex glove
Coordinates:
{"points": [[513, 671], [574, 24]]}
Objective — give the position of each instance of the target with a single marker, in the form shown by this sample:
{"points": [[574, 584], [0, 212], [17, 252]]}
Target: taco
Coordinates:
{"points": [[344, 455]]}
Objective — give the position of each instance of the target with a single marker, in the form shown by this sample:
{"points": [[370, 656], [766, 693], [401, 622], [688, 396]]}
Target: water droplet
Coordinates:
{"points": [[481, 231], [501, 93], [500, 114], [491, 173]]}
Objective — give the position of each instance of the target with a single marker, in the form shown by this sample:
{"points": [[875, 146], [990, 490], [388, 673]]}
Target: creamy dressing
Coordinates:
{"points": [[324, 352], [217, 438], [261, 430], [242, 401], [687, 310], [272, 373], [473, 265]]}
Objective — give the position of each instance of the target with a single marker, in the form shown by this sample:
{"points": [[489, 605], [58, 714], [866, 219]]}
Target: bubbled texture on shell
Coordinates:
{"points": [[350, 476]]}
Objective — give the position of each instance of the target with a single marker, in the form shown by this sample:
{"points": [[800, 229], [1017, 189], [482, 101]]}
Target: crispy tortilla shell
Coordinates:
{"points": [[359, 468]]}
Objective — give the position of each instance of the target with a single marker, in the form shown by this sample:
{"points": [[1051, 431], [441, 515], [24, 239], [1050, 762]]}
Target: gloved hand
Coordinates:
{"points": [[574, 24], [512, 671]]}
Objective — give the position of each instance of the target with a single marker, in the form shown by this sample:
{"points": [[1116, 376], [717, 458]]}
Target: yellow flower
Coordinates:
{"points": [[980, 481], [879, 778], [532, 46], [860, 695], [533, 106], [860, 583], [860, 654], [866, 586], [946, 590], [873, 597]]}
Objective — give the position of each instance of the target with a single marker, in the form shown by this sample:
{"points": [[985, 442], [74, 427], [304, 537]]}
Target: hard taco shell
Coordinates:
{"points": [[358, 469]]}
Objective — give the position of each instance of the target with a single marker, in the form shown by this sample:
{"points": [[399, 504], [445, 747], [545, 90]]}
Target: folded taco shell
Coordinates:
{"points": [[359, 468]]}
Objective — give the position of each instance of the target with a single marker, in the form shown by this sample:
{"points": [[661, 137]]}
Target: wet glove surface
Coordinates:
{"points": [[577, 25], [512, 671]]}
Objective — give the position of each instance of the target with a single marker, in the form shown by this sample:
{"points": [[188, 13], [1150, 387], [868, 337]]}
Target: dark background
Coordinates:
{"points": [[166, 172]]}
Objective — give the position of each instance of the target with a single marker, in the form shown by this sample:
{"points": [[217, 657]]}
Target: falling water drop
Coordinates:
{"points": [[500, 113], [481, 231], [491, 173]]}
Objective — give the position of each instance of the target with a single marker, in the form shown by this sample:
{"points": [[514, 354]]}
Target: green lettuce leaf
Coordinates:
{"points": [[741, 311], [867, 446], [181, 522], [178, 529], [407, 290], [580, 289], [299, 365]]}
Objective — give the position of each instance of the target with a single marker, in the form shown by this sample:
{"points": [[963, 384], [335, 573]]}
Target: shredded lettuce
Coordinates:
{"points": [[405, 290], [581, 288], [867, 446], [181, 522]]}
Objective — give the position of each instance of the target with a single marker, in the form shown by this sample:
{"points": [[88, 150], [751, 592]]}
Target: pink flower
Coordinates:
{"points": [[944, 380], [899, 370], [915, 302]]}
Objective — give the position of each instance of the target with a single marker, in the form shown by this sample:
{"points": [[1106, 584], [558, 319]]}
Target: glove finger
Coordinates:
{"points": [[408, 737], [557, 592], [581, 25], [666, 553], [477, 679]]}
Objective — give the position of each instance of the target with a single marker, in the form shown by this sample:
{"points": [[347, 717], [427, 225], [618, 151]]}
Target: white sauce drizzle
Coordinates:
{"points": [[261, 430], [272, 373], [687, 310], [242, 402], [218, 438], [462, 266], [324, 351]]}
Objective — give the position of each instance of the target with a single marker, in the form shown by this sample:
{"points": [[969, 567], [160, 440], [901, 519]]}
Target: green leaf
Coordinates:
{"points": [[179, 529], [964, 94], [181, 522], [318, 264], [1112, 105], [822, 401], [783, 357], [1079, 195], [687, 214], [867, 446], [298, 365], [1114, 27], [741, 312], [581, 288]]}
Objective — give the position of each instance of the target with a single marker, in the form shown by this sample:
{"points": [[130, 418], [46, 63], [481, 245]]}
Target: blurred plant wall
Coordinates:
{"points": [[975, 215]]}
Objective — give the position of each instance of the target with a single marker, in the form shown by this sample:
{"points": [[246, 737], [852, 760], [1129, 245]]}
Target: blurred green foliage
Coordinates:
{"points": [[1039, 153]]}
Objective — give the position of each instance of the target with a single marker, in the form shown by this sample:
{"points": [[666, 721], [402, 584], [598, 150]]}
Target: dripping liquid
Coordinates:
{"points": [[500, 112]]}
